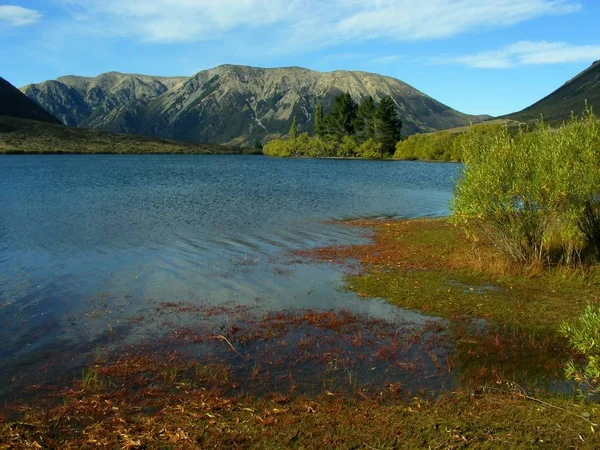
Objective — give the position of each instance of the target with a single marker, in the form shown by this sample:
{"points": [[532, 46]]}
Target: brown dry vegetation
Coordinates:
{"points": [[259, 390]]}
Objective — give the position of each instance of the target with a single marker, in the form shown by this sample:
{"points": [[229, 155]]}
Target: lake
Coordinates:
{"points": [[91, 243]]}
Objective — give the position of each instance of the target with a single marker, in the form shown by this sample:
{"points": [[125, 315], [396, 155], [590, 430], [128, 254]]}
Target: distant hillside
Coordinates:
{"points": [[31, 136], [100, 101], [458, 130], [14, 103], [229, 104], [570, 97]]}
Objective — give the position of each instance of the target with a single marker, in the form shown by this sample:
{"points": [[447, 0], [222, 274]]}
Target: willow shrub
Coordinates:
{"points": [[534, 195], [433, 147], [323, 147], [584, 336]]}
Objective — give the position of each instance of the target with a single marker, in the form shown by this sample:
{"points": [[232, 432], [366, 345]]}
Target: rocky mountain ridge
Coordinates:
{"points": [[14, 104], [236, 105]]}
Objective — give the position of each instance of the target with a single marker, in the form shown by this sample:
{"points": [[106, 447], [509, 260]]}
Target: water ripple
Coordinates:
{"points": [[119, 233]]}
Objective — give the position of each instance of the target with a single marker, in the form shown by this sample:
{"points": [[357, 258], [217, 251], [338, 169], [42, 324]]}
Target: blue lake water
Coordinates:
{"points": [[88, 242]]}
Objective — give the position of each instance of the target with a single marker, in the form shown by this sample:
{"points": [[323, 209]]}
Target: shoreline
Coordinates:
{"points": [[127, 398]]}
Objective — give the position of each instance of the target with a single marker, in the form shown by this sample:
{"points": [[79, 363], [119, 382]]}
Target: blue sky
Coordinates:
{"points": [[477, 56]]}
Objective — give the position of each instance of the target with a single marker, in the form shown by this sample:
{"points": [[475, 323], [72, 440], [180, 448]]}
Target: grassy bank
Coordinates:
{"points": [[22, 136], [431, 266], [139, 399]]}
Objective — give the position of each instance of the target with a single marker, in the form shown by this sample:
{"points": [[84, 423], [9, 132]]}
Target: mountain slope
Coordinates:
{"points": [[93, 102], [228, 104], [13, 103], [570, 97]]}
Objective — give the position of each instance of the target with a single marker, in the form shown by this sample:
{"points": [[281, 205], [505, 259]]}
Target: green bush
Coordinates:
{"points": [[347, 148], [584, 337], [429, 147], [323, 147], [370, 149], [534, 195], [438, 146], [278, 148]]}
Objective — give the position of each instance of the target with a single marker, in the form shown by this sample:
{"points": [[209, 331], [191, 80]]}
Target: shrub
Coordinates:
{"points": [[584, 337], [370, 149], [533, 195], [278, 147], [348, 147]]}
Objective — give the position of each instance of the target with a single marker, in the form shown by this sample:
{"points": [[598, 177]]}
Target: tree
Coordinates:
{"points": [[363, 124], [340, 121], [387, 125], [319, 120], [293, 130]]}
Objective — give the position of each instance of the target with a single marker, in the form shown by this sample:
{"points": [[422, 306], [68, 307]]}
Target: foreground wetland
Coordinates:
{"points": [[184, 302]]}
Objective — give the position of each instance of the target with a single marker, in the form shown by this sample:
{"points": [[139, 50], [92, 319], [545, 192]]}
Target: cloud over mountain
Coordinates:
{"points": [[17, 16], [295, 22]]}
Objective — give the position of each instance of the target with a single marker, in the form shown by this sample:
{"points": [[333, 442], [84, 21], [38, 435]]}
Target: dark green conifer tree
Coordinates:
{"points": [[319, 120], [340, 121], [364, 122], [387, 125], [293, 130]]}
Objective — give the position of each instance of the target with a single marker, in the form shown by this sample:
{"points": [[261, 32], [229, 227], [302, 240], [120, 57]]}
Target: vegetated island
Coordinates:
{"points": [[519, 291], [24, 136]]}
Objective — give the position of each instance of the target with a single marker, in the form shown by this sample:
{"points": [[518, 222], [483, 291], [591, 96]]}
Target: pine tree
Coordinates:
{"points": [[364, 122], [293, 130], [319, 120], [340, 121], [387, 125]]}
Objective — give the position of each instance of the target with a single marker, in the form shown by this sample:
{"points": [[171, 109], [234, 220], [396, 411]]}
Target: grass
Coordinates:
{"points": [[159, 400], [430, 266], [21, 136], [158, 404], [89, 379]]}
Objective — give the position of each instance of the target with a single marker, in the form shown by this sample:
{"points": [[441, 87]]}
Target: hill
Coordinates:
{"points": [[31, 136], [570, 97], [236, 105], [14, 103]]}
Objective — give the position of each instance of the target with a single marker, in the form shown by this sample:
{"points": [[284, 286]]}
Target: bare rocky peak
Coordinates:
{"points": [[228, 104]]}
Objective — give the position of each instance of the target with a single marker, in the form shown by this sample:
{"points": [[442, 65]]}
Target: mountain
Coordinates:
{"points": [[14, 103], [236, 105], [570, 97], [25, 127], [101, 101]]}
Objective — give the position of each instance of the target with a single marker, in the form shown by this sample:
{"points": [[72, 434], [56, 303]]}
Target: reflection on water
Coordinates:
{"points": [[89, 242]]}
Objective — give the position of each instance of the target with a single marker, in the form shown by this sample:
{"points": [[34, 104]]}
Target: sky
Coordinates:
{"points": [[477, 56]]}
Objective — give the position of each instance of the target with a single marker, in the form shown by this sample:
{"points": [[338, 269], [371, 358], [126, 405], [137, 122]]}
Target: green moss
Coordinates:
{"points": [[435, 272]]}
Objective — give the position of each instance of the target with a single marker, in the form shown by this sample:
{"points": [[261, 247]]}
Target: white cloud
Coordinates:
{"points": [[17, 16], [526, 53], [178, 20], [309, 23]]}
